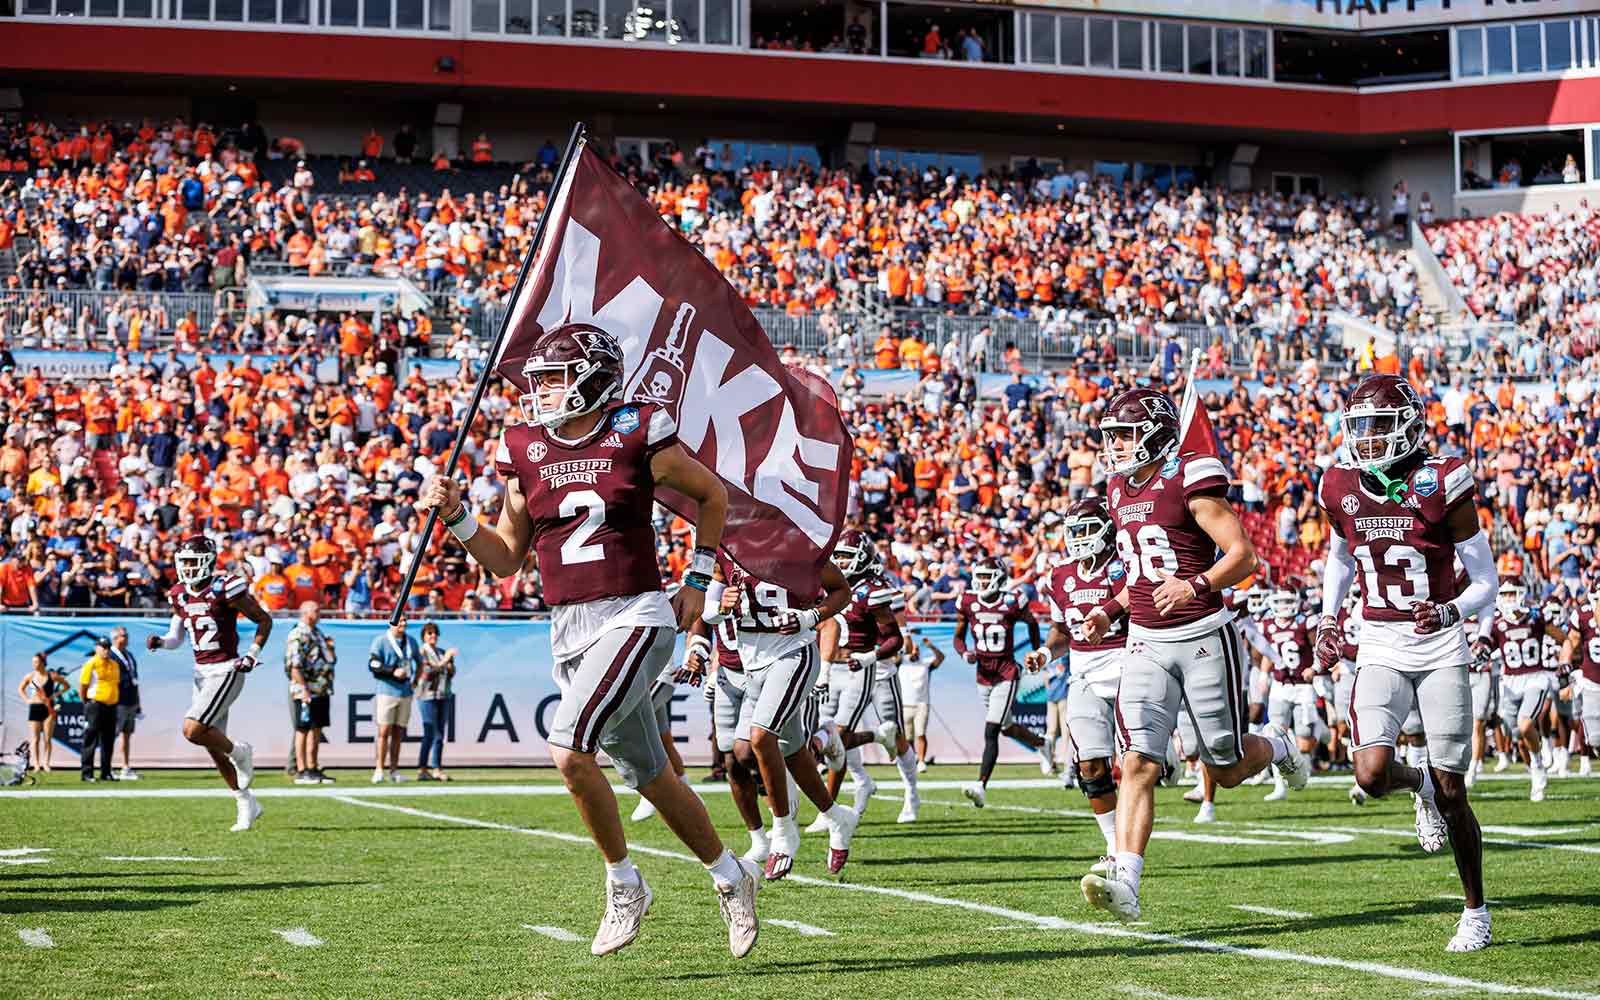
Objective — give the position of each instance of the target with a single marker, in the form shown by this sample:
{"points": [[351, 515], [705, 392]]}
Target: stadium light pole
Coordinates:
{"points": [[578, 131]]}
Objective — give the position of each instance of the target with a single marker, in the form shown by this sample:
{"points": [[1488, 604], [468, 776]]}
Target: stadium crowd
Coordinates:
{"points": [[310, 484]]}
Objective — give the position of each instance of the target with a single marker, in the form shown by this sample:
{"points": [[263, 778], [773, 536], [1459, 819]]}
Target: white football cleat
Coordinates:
{"points": [[643, 811], [832, 747], [975, 794], [377, 776], [886, 736], [761, 848], [1471, 777], [129, 774], [1472, 934], [820, 824], [738, 905], [626, 906], [1207, 813], [1047, 766], [1546, 757], [1111, 894], [1294, 769], [1501, 762], [909, 810], [1562, 758], [922, 766], [1431, 831], [1358, 795], [1540, 779], [1195, 794], [1258, 778], [1585, 767], [249, 811], [244, 767], [863, 794], [1106, 866], [839, 837], [1280, 791]]}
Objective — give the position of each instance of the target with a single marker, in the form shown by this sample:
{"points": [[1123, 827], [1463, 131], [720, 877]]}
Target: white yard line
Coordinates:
{"points": [[22, 852], [1035, 919], [1268, 911], [159, 857], [1148, 994], [36, 937], [24, 861], [299, 936], [1534, 831], [804, 930], [558, 933]]}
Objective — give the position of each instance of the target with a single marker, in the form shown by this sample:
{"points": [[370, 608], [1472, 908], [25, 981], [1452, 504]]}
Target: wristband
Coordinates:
{"points": [[465, 528], [699, 581], [255, 651], [700, 644], [866, 659], [703, 562], [1449, 614], [453, 519], [809, 618], [1201, 584], [1111, 608]]}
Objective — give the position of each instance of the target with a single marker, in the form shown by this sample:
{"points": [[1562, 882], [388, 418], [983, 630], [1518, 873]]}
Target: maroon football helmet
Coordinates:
{"points": [[1383, 422], [854, 554], [1088, 528], [572, 369], [195, 562], [1140, 427], [988, 579]]}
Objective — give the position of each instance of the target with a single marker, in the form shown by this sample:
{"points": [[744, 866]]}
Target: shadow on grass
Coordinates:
{"points": [[1265, 925], [1295, 861], [169, 896], [1019, 957]]}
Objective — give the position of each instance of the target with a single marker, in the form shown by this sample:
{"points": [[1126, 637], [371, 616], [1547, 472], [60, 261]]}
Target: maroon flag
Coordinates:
{"points": [[1196, 436], [774, 436]]}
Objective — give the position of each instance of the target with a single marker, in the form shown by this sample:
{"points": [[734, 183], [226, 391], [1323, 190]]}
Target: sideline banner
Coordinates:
{"points": [[504, 695]]}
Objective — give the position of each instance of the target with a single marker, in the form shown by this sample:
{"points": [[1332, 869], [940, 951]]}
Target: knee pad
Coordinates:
{"points": [[1094, 788]]}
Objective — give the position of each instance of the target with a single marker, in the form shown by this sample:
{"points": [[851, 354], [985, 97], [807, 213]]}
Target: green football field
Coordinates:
{"points": [[487, 888]]}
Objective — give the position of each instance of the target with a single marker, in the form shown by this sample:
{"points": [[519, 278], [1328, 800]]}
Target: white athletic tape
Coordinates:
{"points": [[1035, 919], [36, 937], [1267, 911]]}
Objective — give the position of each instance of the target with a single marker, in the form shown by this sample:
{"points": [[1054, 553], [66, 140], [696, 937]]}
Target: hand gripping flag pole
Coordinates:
{"points": [[568, 158]]}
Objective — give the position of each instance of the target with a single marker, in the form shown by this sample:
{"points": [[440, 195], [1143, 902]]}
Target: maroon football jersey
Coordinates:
{"points": [[1350, 631], [1518, 643], [728, 645], [762, 603], [1075, 591], [991, 634], [859, 631], [210, 621], [590, 502], [1588, 629], [1403, 548], [1293, 642], [1157, 536]]}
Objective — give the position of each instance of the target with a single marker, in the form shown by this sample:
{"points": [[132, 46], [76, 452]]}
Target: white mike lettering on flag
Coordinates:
{"points": [[775, 438]]}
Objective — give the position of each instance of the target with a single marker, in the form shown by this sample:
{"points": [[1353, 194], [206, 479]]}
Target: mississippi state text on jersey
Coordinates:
{"points": [[991, 625], [590, 502], [1403, 549], [1294, 644], [1519, 643], [1075, 591], [1157, 537], [211, 622]]}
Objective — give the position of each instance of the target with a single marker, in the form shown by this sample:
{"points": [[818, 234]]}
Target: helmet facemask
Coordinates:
{"points": [[1378, 437], [1087, 538], [194, 569], [987, 581], [555, 394], [1510, 600], [1124, 450], [1282, 605]]}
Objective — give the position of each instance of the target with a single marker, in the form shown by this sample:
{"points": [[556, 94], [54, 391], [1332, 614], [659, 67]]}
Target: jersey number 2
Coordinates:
{"points": [[576, 548]]}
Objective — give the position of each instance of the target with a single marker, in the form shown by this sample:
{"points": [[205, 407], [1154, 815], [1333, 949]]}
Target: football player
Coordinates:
{"points": [[1291, 702], [1561, 709], [778, 646], [1398, 519], [893, 732], [989, 614], [1173, 519], [206, 607], [853, 642], [1086, 580], [1526, 687], [581, 471], [1583, 648]]}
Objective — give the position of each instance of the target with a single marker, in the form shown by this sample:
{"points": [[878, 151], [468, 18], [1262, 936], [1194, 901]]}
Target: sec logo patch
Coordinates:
{"points": [[537, 451], [1350, 505]]}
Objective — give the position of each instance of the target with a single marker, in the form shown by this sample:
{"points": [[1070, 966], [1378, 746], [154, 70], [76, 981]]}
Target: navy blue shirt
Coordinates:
{"points": [[163, 450]]}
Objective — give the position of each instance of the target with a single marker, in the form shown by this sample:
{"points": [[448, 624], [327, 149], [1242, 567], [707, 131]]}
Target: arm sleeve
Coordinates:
{"points": [[174, 634], [1258, 642], [1478, 559], [1485, 625], [1338, 571]]}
